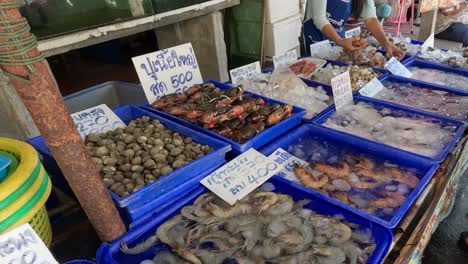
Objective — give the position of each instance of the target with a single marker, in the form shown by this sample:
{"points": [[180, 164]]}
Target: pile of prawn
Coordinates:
{"points": [[264, 227], [357, 181]]}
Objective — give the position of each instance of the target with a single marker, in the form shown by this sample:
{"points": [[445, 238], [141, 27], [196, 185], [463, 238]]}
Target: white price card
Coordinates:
{"points": [[240, 176], [429, 43], [353, 32], [247, 72], [286, 59], [23, 245], [167, 71], [395, 67], [372, 88], [342, 90], [98, 119], [286, 162]]}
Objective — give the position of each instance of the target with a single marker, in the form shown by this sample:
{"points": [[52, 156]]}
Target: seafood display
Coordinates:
{"points": [[455, 59], [132, 157], [437, 101], [377, 188], [405, 45], [439, 77], [413, 134], [367, 56], [285, 86], [231, 113], [264, 227], [305, 67], [360, 75]]}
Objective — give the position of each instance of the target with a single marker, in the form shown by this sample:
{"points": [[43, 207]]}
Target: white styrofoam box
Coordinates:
{"points": [[280, 9], [282, 36], [297, 49]]}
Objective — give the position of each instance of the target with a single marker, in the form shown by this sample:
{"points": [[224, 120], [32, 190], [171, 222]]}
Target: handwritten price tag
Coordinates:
{"points": [[285, 162], [98, 119], [240, 176], [353, 32], [167, 71], [23, 246], [286, 59], [372, 88], [395, 67], [247, 72], [342, 90], [429, 43]]}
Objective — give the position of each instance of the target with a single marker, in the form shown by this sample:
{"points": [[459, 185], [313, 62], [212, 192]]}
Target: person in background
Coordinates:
{"points": [[326, 19], [449, 25]]}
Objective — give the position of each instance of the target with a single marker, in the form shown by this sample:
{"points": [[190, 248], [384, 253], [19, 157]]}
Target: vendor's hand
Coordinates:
{"points": [[394, 51], [347, 44]]}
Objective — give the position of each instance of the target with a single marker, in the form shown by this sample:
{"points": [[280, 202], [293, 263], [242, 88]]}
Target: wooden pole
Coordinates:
{"points": [[36, 86]]}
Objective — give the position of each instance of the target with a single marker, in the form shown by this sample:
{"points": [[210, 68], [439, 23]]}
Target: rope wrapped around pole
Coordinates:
{"points": [[32, 79]]}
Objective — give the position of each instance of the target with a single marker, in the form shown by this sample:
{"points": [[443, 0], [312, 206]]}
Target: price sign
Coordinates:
{"points": [[167, 71], [285, 162], [98, 119], [342, 90], [286, 59], [372, 88], [395, 67], [241, 176], [23, 246], [353, 32], [247, 72], [429, 43]]}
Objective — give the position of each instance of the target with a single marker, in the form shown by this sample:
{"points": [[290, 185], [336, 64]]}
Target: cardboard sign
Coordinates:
{"points": [[342, 90], [286, 59], [98, 119], [286, 162], [429, 43], [23, 246], [247, 72], [395, 67], [167, 71], [353, 32], [372, 88], [240, 176]]}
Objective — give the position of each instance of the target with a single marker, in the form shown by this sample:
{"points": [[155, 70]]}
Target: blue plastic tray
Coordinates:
{"points": [[431, 65], [111, 254], [256, 142], [460, 126], [145, 198], [339, 146], [4, 163]]}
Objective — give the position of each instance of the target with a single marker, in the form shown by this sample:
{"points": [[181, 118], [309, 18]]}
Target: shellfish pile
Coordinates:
{"points": [[264, 227], [360, 75], [415, 135], [231, 113], [130, 158]]}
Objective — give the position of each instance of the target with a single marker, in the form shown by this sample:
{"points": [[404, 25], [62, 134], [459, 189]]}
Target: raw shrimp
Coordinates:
{"points": [[210, 256], [167, 257], [140, 248], [267, 199], [340, 233], [283, 206], [268, 249], [222, 240], [341, 172], [233, 223], [307, 179], [407, 178], [342, 197], [392, 200]]}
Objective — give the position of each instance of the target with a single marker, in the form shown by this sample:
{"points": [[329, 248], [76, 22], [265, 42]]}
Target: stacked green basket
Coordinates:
{"points": [[24, 190]]}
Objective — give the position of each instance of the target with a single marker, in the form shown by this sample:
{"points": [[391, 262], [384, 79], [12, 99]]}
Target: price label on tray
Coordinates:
{"points": [[167, 71], [395, 67], [247, 72], [240, 176], [342, 90], [285, 60], [98, 119], [23, 245], [286, 162], [429, 43], [372, 88], [353, 32]]}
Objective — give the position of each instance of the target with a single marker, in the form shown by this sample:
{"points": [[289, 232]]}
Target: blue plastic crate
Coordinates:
{"points": [[111, 254], [338, 147], [131, 204], [431, 65], [256, 142], [80, 261], [4, 163], [460, 126]]}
